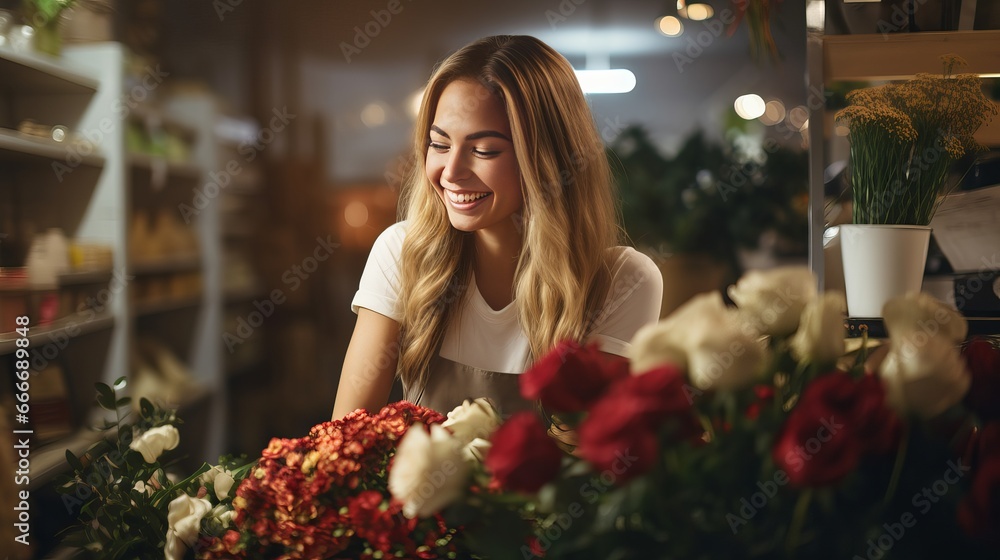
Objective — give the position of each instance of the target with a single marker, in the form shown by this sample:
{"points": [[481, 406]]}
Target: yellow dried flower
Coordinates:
{"points": [[905, 136]]}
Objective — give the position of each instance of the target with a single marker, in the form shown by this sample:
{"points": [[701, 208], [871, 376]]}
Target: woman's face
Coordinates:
{"points": [[470, 158]]}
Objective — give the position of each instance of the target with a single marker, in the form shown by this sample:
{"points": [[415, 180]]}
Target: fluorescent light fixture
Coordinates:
{"points": [[618, 80]]}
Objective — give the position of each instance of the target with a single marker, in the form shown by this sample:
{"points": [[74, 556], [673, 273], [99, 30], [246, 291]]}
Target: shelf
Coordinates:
{"points": [[154, 117], [902, 55], [33, 74], [242, 295], [70, 327], [166, 306], [167, 265], [15, 146], [50, 459], [153, 164], [82, 277]]}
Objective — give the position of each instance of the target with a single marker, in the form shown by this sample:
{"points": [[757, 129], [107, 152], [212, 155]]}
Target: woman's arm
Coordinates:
{"points": [[370, 364]]}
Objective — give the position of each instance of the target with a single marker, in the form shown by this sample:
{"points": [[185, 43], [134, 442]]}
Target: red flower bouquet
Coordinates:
{"points": [[326, 496], [750, 432]]}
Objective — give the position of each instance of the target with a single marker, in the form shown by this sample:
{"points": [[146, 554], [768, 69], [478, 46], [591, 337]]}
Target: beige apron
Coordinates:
{"points": [[450, 383]]}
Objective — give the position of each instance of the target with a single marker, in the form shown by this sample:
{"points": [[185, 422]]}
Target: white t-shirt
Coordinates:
{"points": [[491, 340]]}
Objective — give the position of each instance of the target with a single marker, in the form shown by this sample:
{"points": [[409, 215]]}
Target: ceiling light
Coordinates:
{"points": [[749, 106], [373, 115], [698, 12], [618, 80], [669, 26]]}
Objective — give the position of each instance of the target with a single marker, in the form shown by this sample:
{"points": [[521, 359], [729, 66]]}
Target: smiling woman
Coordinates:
{"points": [[509, 243]]}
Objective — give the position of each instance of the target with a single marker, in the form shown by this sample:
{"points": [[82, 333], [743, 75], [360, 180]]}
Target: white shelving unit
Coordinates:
{"points": [[94, 199]]}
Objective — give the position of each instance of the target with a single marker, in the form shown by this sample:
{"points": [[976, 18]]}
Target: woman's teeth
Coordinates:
{"points": [[464, 198]]}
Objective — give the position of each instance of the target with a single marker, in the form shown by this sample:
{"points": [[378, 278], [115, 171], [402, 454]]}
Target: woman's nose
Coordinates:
{"points": [[456, 168]]}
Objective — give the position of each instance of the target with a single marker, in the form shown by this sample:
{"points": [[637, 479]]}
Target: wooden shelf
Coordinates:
{"points": [[166, 306], [243, 295], [26, 73], [49, 460], [70, 327], [902, 55], [80, 277], [18, 147], [179, 170], [167, 265]]}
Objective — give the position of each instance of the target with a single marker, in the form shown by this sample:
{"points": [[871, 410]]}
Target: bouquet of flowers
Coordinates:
{"points": [[326, 495], [746, 433], [904, 139], [128, 504]]}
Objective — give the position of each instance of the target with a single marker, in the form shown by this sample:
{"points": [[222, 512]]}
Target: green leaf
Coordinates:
{"points": [[124, 401], [73, 461], [146, 408], [105, 396]]}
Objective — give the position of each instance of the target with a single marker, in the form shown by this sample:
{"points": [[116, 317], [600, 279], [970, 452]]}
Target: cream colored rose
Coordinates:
{"points": [[428, 472], [475, 450], [704, 338], [820, 337], [221, 479], [771, 301], [924, 372], [223, 514], [154, 441], [472, 419], [916, 316], [183, 524]]}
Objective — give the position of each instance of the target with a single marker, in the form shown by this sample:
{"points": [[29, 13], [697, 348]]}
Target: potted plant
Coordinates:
{"points": [[45, 17], [904, 139]]}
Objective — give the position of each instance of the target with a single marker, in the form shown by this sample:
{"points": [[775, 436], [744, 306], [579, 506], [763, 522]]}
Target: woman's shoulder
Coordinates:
{"points": [[627, 261], [391, 238]]}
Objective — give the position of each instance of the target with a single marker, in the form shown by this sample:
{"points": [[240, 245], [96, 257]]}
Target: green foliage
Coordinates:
{"points": [[709, 199], [47, 10], [119, 499]]}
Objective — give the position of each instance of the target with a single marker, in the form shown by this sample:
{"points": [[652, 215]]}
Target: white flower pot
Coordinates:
{"points": [[880, 263]]}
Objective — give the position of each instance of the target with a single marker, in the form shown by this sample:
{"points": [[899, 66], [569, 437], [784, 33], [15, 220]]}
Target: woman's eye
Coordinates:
{"points": [[438, 147], [485, 153]]}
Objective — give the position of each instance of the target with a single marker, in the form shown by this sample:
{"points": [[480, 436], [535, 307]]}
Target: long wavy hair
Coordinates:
{"points": [[568, 220]]}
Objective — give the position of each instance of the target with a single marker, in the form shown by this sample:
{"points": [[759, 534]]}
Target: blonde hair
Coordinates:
{"points": [[568, 220]]}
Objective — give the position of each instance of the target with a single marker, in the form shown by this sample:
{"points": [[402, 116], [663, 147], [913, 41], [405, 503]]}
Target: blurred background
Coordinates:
{"points": [[189, 189]]}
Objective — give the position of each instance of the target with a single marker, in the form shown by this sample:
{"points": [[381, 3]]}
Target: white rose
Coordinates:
{"points": [[428, 472], [924, 371], [155, 441], [820, 337], [917, 316], [223, 513], [221, 479], [706, 339], [771, 301], [472, 419], [183, 524], [475, 451]]}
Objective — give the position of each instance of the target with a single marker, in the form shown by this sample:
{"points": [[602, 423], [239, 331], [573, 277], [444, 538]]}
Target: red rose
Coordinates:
{"points": [[571, 377], [979, 512], [622, 430], [835, 422], [983, 360], [523, 457]]}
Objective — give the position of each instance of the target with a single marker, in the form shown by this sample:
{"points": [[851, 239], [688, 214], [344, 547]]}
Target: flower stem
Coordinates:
{"points": [[798, 520], [897, 468]]}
